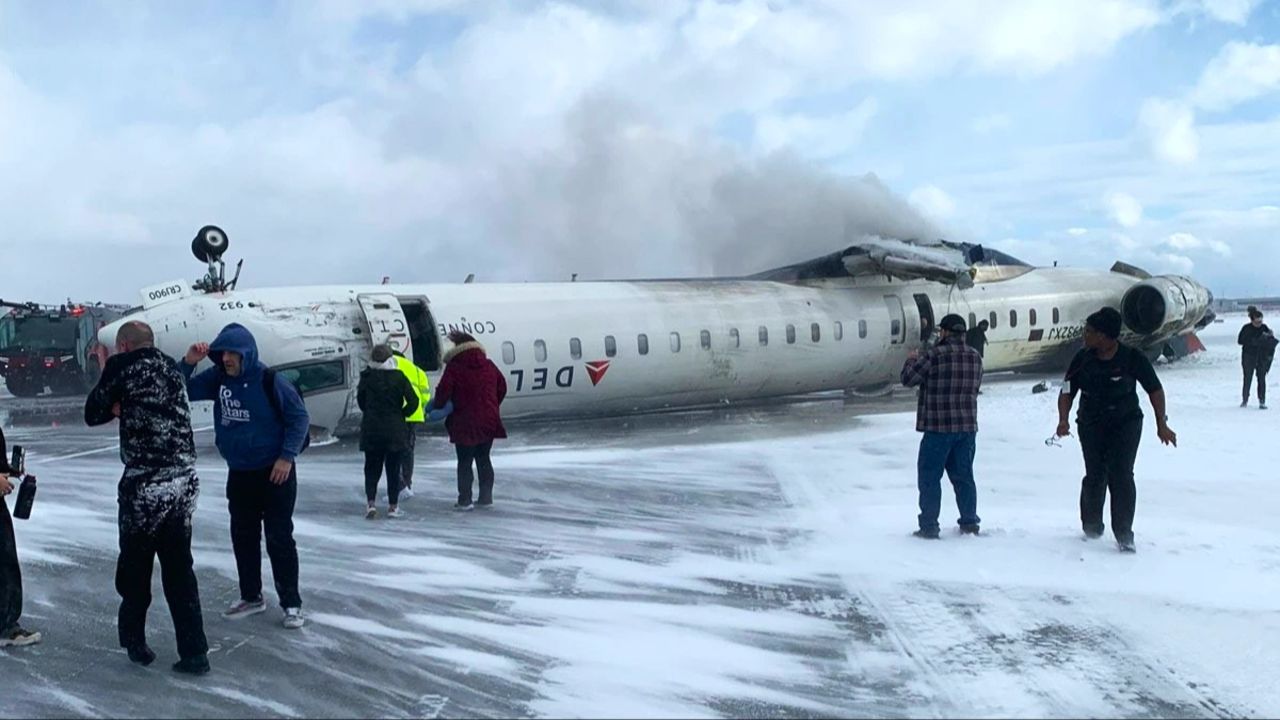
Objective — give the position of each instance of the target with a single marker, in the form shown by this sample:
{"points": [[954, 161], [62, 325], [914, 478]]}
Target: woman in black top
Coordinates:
{"points": [[386, 399], [11, 633], [1107, 375], [1257, 349]]}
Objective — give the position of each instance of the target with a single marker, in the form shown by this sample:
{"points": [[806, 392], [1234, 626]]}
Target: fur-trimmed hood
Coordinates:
{"points": [[464, 347]]}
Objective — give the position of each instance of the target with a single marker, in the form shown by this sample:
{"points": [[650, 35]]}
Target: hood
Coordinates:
{"points": [[464, 355], [236, 338]]}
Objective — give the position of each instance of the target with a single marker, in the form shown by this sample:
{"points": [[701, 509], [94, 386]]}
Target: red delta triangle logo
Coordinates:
{"points": [[596, 371]]}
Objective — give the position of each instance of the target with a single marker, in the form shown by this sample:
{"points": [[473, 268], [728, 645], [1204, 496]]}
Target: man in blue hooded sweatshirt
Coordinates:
{"points": [[260, 437]]}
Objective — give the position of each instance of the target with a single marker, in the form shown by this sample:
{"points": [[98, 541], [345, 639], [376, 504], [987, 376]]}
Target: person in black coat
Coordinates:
{"points": [[976, 338], [387, 400], [1257, 350], [11, 632]]}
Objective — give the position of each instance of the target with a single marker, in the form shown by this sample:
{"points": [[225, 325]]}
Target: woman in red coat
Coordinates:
{"points": [[476, 388]]}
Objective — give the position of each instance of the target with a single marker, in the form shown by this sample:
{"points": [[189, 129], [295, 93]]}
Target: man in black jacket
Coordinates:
{"points": [[157, 494], [11, 633], [1257, 350]]}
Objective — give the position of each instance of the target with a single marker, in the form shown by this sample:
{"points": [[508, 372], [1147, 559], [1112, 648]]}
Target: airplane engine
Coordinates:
{"points": [[1164, 306]]}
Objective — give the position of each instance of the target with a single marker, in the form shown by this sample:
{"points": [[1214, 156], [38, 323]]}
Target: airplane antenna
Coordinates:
{"points": [[470, 277]]}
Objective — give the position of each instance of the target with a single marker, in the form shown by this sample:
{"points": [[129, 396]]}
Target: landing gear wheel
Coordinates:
{"points": [[209, 244]]}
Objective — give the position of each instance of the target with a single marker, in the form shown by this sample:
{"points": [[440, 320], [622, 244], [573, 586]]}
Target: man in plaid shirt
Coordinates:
{"points": [[949, 376]]}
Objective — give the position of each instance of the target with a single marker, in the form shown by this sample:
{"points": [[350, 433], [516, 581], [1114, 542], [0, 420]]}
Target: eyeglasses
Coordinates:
{"points": [[1054, 440]]}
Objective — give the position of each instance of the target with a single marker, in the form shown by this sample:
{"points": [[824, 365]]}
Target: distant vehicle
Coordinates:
{"points": [[53, 347], [843, 321]]}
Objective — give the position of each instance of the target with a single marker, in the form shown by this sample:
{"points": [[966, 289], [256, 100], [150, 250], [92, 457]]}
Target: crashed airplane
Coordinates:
{"points": [[845, 321]]}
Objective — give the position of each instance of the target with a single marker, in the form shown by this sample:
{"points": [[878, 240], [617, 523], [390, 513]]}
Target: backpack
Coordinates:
{"points": [[269, 385]]}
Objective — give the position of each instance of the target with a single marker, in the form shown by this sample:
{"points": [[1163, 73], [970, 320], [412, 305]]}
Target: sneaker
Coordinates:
{"points": [[406, 492], [194, 665], [395, 512], [370, 512], [968, 529], [1244, 403], [1126, 546], [460, 506], [1093, 534], [484, 504], [141, 654], [926, 534], [19, 637], [1262, 406], [293, 618], [244, 608]]}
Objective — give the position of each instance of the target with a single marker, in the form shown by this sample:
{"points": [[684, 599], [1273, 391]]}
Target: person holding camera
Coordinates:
{"points": [[12, 634], [157, 493]]}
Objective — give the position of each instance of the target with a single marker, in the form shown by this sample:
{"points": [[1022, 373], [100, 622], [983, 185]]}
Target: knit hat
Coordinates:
{"points": [[1106, 321]]}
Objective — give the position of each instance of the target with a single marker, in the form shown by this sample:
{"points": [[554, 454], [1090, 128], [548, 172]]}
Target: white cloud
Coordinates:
{"points": [[1077, 231], [934, 202], [1235, 12], [1124, 209], [814, 136], [1169, 130], [1240, 72], [1187, 241], [987, 124]]}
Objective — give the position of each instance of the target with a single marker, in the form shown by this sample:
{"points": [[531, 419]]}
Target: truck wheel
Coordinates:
{"points": [[22, 387]]}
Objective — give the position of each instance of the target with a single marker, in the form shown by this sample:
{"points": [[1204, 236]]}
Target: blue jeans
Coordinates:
{"points": [[952, 452]]}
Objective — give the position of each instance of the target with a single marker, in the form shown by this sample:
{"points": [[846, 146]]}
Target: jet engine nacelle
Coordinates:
{"points": [[1164, 306]]}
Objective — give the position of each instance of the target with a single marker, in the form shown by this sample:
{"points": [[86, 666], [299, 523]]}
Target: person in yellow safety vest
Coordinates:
{"points": [[422, 386]]}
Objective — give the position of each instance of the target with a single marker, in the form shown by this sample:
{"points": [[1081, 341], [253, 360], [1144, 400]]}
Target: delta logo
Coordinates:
{"points": [[596, 371]]}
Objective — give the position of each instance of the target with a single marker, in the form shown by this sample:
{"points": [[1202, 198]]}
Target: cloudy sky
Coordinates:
{"points": [[426, 139]]}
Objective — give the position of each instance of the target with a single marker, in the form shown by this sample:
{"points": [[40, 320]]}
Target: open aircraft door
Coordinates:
{"points": [[387, 323], [897, 320]]}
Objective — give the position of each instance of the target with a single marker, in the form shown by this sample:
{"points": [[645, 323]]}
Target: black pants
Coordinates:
{"points": [[171, 542], [258, 505], [479, 454], [1110, 449], [406, 458], [374, 462], [1260, 366], [10, 573]]}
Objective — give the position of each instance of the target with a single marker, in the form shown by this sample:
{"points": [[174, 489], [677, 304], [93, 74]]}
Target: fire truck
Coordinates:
{"points": [[53, 347]]}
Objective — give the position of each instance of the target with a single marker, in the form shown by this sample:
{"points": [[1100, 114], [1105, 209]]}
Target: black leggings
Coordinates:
{"points": [[1260, 366], [374, 461], [479, 454]]}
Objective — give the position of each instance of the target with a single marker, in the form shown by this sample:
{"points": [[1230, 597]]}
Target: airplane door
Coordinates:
{"points": [[387, 323], [897, 320], [926, 315]]}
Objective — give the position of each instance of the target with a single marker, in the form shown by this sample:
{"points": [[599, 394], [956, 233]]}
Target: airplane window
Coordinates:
{"points": [[791, 334], [1013, 318], [642, 344], [733, 337], [675, 342], [311, 378], [1031, 317], [839, 330], [815, 332], [994, 324], [610, 346], [706, 340], [508, 353], [862, 328], [539, 351], [764, 336], [575, 348], [895, 328], [1056, 317]]}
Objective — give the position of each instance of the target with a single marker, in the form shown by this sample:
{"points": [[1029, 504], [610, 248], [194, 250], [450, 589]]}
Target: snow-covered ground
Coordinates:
{"points": [[740, 563]]}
